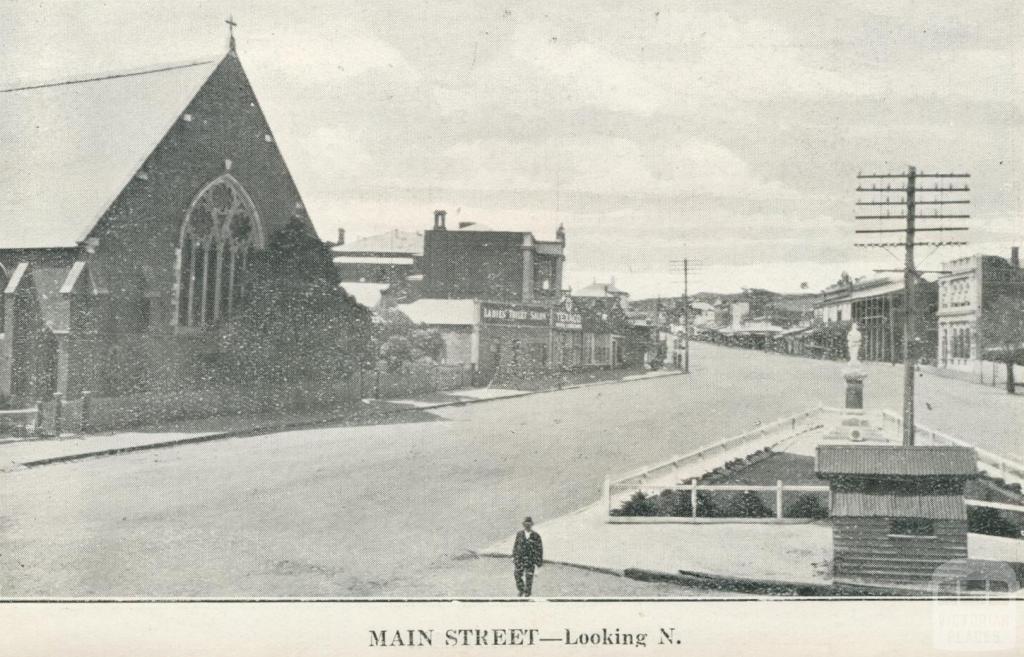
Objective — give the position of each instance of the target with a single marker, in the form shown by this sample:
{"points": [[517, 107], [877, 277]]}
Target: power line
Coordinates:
{"points": [[112, 76]]}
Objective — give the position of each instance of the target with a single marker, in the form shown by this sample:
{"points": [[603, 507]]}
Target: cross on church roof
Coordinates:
{"points": [[231, 32]]}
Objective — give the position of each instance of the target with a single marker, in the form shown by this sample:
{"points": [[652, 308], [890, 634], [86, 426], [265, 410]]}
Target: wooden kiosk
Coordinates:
{"points": [[897, 513]]}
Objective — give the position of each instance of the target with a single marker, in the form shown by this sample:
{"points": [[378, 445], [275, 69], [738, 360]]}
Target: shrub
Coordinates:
{"points": [[297, 323], [738, 505], [674, 503], [638, 505], [983, 520], [807, 505]]}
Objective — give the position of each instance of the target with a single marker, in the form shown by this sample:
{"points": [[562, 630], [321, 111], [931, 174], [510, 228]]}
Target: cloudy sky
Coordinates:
{"points": [[727, 132]]}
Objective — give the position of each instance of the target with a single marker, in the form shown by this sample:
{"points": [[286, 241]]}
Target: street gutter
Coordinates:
{"points": [[291, 426]]}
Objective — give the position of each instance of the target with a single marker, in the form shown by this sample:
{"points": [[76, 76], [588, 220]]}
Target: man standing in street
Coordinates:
{"points": [[527, 554]]}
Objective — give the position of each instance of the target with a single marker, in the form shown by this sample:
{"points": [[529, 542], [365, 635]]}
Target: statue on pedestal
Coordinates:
{"points": [[854, 375], [853, 340]]}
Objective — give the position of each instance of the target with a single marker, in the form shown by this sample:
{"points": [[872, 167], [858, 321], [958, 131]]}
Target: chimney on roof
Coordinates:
{"points": [[560, 234], [1015, 257], [341, 236], [439, 218]]}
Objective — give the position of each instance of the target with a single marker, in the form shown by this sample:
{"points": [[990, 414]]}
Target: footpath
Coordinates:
{"points": [[18, 453]]}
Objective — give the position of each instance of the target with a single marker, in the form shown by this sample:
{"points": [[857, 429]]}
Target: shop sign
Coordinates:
{"points": [[505, 313], [568, 321]]}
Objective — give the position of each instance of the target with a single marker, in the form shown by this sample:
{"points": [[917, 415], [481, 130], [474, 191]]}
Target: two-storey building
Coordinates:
{"points": [[968, 289]]}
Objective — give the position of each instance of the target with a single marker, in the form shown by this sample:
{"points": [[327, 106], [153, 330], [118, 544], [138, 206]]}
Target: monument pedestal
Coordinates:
{"points": [[855, 388], [854, 424]]}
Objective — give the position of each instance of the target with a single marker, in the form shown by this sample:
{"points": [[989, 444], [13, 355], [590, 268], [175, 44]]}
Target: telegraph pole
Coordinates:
{"points": [[686, 315], [934, 196], [909, 279], [676, 266]]}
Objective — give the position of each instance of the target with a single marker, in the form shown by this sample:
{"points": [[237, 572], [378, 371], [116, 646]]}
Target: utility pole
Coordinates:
{"points": [[686, 315], [676, 266], [934, 196]]}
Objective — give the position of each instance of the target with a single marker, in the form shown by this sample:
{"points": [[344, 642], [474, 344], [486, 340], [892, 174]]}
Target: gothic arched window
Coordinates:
{"points": [[220, 231]]}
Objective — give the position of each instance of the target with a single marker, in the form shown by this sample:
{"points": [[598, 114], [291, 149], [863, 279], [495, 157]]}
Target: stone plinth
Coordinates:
{"points": [[855, 388]]}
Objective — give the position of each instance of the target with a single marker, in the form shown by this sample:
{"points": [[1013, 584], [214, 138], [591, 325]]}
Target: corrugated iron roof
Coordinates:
{"points": [[898, 505], [876, 460], [441, 312], [69, 148], [600, 290], [394, 241]]}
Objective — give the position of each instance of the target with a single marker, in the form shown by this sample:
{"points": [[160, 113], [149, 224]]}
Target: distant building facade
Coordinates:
{"points": [[374, 266], [835, 305], [971, 287], [604, 291], [877, 306], [475, 263], [385, 258]]}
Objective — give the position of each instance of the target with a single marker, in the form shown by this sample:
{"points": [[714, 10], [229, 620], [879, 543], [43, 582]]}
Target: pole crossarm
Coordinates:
{"points": [[904, 203], [904, 190], [916, 175], [904, 217], [916, 230], [902, 244]]}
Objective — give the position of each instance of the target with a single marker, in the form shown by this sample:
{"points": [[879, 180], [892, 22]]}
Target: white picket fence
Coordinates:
{"points": [[779, 489]]}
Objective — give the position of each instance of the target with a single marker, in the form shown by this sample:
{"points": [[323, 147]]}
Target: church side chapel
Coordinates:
{"points": [[142, 213]]}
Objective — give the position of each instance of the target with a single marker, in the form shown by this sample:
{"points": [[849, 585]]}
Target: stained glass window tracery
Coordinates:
{"points": [[220, 232]]}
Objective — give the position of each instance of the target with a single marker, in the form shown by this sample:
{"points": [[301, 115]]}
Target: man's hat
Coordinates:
{"points": [[528, 519]]}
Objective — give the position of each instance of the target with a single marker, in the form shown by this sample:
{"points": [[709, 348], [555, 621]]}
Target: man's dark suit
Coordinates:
{"points": [[527, 554]]}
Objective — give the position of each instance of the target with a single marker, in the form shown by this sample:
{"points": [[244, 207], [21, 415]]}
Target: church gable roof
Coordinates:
{"points": [[69, 148]]}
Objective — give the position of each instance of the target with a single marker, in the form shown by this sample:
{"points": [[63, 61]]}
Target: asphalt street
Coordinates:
{"points": [[385, 510]]}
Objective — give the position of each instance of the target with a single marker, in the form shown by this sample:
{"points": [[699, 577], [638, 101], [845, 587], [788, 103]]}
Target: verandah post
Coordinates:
{"points": [[778, 498], [693, 498]]}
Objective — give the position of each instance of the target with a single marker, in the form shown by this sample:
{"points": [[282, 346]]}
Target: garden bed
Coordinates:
{"points": [[767, 467]]}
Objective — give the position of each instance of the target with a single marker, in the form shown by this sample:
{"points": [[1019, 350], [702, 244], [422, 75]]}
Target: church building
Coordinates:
{"points": [[131, 209]]}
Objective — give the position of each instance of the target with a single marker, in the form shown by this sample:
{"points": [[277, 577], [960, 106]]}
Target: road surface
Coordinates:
{"points": [[385, 510]]}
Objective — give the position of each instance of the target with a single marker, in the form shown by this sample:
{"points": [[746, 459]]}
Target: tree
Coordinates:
{"points": [[298, 324], [1002, 333], [400, 342]]}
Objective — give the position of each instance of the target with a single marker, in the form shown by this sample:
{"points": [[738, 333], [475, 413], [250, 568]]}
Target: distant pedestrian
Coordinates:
{"points": [[527, 554]]}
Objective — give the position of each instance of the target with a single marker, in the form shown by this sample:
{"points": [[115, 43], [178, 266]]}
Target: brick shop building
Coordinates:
{"points": [[474, 262]]}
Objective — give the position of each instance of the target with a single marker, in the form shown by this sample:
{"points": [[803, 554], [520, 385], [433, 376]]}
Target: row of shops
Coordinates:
{"points": [[502, 339]]}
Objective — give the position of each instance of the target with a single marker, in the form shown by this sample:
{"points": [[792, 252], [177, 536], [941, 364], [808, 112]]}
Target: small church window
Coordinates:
{"points": [[220, 230]]}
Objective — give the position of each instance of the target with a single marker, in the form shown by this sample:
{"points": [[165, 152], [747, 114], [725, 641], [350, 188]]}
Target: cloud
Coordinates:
{"points": [[599, 164]]}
